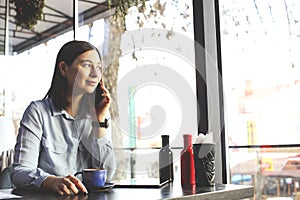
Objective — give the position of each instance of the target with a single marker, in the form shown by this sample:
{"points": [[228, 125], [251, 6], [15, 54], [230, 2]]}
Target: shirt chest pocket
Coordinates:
{"points": [[54, 147], [53, 157]]}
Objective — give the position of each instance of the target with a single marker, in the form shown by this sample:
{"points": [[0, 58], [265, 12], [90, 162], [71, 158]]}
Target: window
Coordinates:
{"points": [[157, 83], [259, 42]]}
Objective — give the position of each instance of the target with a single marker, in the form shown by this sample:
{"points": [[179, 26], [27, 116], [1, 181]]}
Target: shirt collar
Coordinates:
{"points": [[55, 112]]}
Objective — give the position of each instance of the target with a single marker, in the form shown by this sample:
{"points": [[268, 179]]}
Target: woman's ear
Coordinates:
{"points": [[63, 68]]}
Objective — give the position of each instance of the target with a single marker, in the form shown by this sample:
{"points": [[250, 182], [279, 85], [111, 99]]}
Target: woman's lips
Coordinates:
{"points": [[93, 83]]}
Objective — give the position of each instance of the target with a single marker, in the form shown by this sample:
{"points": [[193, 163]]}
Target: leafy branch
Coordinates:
{"points": [[122, 7], [28, 12]]}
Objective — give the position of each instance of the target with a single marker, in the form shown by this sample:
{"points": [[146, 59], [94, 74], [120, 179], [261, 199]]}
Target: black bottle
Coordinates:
{"points": [[165, 161]]}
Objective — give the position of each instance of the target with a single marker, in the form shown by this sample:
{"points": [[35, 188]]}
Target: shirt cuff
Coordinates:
{"points": [[100, 141], [37, 177]]}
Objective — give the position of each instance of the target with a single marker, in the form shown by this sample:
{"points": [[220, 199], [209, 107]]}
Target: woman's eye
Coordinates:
{"points": [[88, 65]]}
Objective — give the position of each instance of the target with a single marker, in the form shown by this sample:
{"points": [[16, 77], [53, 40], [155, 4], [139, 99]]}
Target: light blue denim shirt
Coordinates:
{"points": [[51, 142]]}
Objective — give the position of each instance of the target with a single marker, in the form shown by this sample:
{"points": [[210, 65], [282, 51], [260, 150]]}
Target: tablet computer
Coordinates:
{"points": [[140, 182]]}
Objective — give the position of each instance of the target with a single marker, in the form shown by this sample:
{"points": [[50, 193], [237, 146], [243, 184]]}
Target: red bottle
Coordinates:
{"points": [[187, 162]]}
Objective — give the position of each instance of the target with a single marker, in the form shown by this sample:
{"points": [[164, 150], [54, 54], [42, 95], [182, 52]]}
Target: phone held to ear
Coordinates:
{"points": [[98, 95]]}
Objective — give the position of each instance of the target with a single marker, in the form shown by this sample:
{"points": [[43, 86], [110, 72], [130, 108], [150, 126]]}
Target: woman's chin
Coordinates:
{"points": [[90, 90]]}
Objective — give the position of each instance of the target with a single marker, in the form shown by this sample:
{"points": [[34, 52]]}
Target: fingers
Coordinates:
{"points": [[59, 190], [78, 184], [107, 97], [70, 185], [65, 189], [105, 90], [105, 93]]}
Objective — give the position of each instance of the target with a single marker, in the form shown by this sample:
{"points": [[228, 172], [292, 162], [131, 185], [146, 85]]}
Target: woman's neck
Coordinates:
{"points": [[73, 107]]}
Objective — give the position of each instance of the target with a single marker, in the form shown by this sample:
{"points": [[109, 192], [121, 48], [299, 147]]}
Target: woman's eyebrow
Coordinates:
{"points": [[86, 61], [81, 61]]}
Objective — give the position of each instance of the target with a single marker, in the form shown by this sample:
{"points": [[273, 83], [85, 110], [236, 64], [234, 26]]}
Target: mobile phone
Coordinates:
{"points": [[98, 96]]}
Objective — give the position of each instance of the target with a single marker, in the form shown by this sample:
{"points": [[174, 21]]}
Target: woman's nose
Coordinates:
{"points": [[94, 72]]}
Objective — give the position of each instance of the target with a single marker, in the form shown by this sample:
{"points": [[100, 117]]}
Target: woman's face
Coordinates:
{"points": [[85, 73]]}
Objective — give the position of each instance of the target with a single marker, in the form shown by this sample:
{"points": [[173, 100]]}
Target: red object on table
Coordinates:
{"points": [[187, 162]]}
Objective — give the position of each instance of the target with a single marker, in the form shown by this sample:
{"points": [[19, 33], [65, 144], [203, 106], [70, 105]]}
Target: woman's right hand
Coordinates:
{"points": [[64, 185]]}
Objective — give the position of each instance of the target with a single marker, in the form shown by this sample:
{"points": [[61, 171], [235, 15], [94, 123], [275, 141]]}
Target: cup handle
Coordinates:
{"points": [[77, 173]]}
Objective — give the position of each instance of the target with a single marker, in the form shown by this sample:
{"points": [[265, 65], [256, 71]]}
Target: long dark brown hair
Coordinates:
{"points": [[59, 86]]}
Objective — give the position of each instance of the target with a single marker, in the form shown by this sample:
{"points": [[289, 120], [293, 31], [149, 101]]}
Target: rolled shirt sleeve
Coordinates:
{"points": [[25, 170]]}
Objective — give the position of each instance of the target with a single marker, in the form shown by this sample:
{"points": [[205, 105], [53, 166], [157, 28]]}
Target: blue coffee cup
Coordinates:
{"points": [[93, 178]]}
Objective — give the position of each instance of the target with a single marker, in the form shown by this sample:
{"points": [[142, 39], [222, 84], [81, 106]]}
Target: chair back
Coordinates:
{"points": [[7, 158], [5, 178]]}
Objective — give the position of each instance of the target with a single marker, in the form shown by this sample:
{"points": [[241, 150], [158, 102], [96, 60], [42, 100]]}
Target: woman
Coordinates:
{"points": [[66, 131]]}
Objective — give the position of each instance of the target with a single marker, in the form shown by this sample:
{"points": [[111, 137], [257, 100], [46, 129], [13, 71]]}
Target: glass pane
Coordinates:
{"points": [[154, 72], [260, 41], [261, 70]]}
